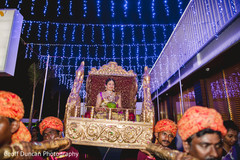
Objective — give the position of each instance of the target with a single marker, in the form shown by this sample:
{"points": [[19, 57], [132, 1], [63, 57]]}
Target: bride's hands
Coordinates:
{"points": [[101, 109]]}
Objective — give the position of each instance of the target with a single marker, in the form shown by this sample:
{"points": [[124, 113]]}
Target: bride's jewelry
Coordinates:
{"points": [[110, 96]]}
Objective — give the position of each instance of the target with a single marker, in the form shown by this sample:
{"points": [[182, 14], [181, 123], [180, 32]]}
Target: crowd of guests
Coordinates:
{"points": [[204, 135]]}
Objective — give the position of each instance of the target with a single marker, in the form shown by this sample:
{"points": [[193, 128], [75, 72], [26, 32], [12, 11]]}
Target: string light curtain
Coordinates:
{"points": [[71, 54], [202, 21], [62, 30]]}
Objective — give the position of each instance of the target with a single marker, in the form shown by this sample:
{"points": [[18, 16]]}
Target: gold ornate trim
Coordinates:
{"points": [[109, 133], [112, 68], [148, 107], [73, 105]]}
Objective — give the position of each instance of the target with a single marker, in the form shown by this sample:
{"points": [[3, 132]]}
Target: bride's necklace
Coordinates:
{"points": [[109, 92], [110, 95]]}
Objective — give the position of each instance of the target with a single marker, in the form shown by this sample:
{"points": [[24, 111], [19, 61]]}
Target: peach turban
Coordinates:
{"points": [[51, 122], [166, 125], [198, 118], [11, 106]]}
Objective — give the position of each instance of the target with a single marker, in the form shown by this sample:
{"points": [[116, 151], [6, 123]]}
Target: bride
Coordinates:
{"points": [[108, 99]]}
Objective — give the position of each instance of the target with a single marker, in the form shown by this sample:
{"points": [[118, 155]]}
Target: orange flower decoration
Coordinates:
{"points": [[11, 106], [51, 122], [198, 118], [166, 125]]}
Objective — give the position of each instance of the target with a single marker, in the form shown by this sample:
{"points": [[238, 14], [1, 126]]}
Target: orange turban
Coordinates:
{"points": [[51, 122], [11, 106], [198, 118], [166, 125]]}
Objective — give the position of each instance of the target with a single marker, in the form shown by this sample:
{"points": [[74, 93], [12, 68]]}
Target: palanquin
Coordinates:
{"points": [[122, 133]]}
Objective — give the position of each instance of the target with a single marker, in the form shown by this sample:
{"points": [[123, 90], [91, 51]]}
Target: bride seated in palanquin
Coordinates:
{"points": [[109, 99], [111, 93]]}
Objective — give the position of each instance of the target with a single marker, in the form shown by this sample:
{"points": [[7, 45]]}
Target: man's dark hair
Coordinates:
{"points": [[37, 128], [11, 120], [203, 132], [229, 124]]}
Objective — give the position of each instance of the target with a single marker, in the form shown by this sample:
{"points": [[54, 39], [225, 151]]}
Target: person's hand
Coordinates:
{"points": [[149, 155], [66, 147], [101, 109], [119, 110], [183, 156], [24, 151]]}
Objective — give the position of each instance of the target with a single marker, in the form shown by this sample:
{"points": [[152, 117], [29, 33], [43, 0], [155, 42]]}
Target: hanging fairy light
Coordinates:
{"points": [[64, 32], [98, 8], [79, 52], [129, 57], [83, 33], [92, 39], [47, 32], [153, 9], [29, 29], [180, 7], [112, 8], [133, 34], [143, 33], [145, 56], [122, 40], [125, 7], [73, 34], [55, 53], [63, 55], [26, 51], [58, 8], [103, 34], [70, 8], [96, 53], [56, 32], [39, 31], [105, 52], [137, 55], [45, 8], [32, 7], [139, 9], [6, 3], [166, 7], [19, 5], [84, 8], [23, 28]]}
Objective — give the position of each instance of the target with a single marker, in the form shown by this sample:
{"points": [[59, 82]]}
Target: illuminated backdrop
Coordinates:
{"points": [[132, 33]]}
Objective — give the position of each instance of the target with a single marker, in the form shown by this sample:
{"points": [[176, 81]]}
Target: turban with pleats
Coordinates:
{"points": [[51, 122], [166, 125], [11, 106], [198, 118]]}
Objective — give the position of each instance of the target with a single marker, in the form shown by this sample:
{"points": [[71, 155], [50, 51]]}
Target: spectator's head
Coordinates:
{"points": [[36, 136], [11, 112], [232, 133], [201, 130], [51, 128], [165, 131], [35, 131]]}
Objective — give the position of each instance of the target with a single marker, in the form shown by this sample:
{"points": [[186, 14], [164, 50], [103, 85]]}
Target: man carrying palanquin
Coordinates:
{"points": [[165, 131]]}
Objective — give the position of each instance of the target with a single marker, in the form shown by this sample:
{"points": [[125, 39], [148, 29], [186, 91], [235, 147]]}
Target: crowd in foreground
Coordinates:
{"points": [[203, 133]]}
